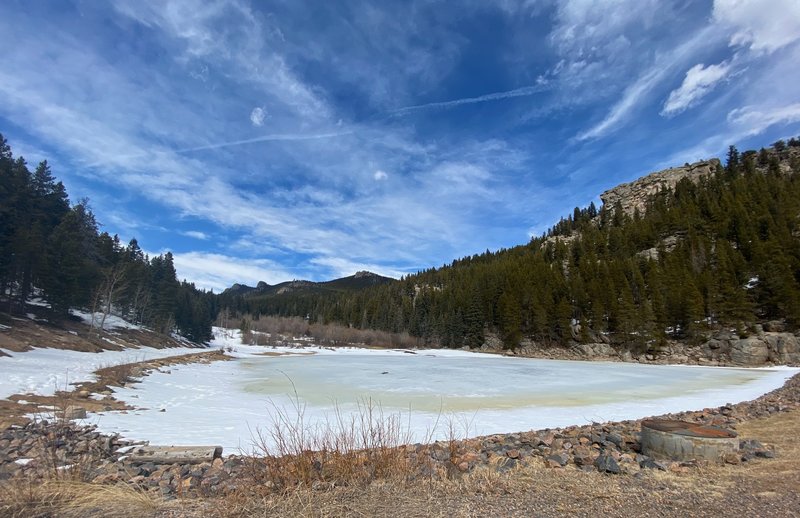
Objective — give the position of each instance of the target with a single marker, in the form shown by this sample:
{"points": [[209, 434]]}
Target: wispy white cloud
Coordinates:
{"points": [[244, 53], [257, 116], [196, 234], [380, 175], [600, 42], [757, 25], [755, 120], [639, 90], [699, 81]]}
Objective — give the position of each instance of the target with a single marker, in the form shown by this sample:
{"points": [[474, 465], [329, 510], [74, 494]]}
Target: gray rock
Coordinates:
{"points": [[775, 326], [749, 351], [783, 347], [615, 439], [750, 444], [561, 458], [605, 463], [648, 463], [506, 465]]}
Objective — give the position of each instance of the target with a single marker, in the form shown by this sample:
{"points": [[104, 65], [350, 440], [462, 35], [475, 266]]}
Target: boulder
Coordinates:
{"points": [[558, 460], [783, 347], [749, 351]]}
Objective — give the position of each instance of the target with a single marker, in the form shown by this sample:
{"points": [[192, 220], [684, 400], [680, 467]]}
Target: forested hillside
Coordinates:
{"points": [[46, 243], [720, 250]]}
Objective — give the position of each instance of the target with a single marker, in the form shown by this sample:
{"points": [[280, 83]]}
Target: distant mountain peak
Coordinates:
{"points": [[359, 280], [364, 273]]}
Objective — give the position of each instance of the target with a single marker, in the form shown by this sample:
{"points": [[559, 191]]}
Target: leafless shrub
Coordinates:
{"points": [[269, 330], [345, 449]]}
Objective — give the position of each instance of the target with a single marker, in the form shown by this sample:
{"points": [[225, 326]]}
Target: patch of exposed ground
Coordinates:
{"points": [[19, 334]]}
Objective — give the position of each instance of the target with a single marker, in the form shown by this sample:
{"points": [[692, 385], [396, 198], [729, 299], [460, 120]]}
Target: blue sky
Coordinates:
{"points": [[285, 140]]}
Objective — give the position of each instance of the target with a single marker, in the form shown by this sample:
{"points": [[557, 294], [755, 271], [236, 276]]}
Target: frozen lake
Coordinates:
{"points": [[226, 402]]}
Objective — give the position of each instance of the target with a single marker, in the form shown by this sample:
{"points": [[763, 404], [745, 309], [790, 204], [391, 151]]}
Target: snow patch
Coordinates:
{"points": [[112, 321], [43, 371]]}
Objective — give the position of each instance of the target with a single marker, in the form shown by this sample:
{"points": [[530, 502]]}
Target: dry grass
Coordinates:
{"points": [[782, 474], [347, 449], [761, 487], [68, 499]]}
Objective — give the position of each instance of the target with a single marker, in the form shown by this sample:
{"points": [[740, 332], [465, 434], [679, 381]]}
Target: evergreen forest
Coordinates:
{"points": [[722, 251], [53, 246]]}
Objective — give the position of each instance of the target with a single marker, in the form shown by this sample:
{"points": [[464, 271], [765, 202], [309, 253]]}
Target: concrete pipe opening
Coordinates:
{"points": [[683, 441]]}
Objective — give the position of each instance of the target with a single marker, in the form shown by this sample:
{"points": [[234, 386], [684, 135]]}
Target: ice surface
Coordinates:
{"points": [[226, 403]]}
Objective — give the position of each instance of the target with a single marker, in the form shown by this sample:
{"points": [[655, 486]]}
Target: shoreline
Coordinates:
{"points": [[570, 447], [97, 396]]}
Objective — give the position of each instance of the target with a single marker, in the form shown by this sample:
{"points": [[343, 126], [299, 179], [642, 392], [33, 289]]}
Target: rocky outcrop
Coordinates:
{"points": [[634, 195], [723, 347], [783, 347], [753, 351]]}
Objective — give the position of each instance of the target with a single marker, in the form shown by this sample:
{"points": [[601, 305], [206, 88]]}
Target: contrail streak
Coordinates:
{"points": [[497, 96], [265, 138]]}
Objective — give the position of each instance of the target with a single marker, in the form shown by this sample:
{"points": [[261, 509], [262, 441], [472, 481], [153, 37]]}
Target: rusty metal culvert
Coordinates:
{"points": [[681, 440]]}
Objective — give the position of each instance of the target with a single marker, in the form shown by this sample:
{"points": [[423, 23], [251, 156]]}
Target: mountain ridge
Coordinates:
{"points": [[355, 282]]}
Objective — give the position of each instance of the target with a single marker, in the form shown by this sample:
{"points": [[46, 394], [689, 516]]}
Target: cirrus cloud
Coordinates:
{"points": [[757, 25]]}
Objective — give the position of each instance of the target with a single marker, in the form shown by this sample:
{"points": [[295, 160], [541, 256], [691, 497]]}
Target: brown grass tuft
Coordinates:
{"points": [[346, 449], [68, 499]]}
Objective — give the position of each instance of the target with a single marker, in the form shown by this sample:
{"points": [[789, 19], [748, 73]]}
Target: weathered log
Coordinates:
{"points": [[174, 454]]}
